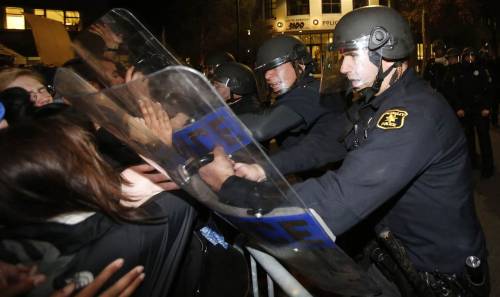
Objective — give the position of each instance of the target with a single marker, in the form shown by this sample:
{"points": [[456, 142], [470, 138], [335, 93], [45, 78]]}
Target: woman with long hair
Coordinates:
{"points": [[61, 208]]}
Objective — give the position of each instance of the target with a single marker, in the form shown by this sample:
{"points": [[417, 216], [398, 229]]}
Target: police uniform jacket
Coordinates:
{"points": [[408, 160], [293, 115], [451, 84], [318, 148], [247, 104], [474, 89]]}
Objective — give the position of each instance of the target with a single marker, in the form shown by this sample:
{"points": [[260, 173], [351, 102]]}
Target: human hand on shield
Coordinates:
{"points": [[156, 120], [111, 39], [218, 171]]}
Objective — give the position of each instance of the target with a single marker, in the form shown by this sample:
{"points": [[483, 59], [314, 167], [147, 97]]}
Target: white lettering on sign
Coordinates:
{"points": [[329, 23]]}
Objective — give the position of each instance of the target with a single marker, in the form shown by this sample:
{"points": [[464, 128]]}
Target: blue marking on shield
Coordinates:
{"points": [[297, 231], [216, 128]]}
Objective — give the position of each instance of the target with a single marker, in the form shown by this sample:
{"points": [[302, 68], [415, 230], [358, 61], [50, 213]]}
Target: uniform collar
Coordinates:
{"points": [[377, 101]]}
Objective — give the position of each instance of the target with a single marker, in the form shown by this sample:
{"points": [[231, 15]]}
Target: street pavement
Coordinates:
{"points": [[487, 195]]}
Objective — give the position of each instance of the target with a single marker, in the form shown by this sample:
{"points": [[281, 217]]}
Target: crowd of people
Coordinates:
{"points": [[468, 79], [83, 214]]}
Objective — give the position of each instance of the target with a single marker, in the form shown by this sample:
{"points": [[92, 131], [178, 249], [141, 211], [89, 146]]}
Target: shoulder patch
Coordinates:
{"points": [[392, 119]]}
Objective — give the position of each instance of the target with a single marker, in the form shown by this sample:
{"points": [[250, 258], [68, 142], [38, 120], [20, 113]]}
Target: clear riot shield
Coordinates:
{"points": [[118, 41], [281, 226]]}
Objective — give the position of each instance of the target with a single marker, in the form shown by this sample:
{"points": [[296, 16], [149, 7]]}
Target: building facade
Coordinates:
{"points": [[16, 36], [312, 21]]}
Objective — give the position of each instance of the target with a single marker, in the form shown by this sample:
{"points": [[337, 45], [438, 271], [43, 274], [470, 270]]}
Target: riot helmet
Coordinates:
{"points": [[439, 48], [469, 55], [238, 77], [363, 36], [215, 59], [278, 51], [453, 55], [452, 52]]}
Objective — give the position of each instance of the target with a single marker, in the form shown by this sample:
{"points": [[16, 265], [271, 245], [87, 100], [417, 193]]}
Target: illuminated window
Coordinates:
{"points": [[14, 18], [294, 7], [269, 9], [39, 12], [359, 3], [420, 51], [331, 6], [56, 15], [72, 20]]}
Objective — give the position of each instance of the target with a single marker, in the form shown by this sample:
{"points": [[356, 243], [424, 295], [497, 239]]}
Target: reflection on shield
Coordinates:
{"points": [[118, 41]]}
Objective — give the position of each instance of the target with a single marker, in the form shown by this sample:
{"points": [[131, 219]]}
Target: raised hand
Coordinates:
{"points": [[111, 38], [124, 287], [16, 280], [157, 120]]}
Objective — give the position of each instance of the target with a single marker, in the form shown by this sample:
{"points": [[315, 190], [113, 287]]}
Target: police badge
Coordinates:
{"points": [[392, 119]]}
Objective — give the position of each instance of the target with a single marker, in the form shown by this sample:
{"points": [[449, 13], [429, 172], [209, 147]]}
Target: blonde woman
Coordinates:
{"points": [[29, 80]]}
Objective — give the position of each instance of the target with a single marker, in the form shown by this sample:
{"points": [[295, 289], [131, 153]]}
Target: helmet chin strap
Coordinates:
{"points": [[232, 99], [369, 92]]}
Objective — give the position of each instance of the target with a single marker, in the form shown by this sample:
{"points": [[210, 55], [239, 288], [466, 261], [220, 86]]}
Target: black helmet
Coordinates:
{"points": [[238, 77], [383, 27], [217, 58], [452, 52], [280, 50], [469, 51], [438, 44]]}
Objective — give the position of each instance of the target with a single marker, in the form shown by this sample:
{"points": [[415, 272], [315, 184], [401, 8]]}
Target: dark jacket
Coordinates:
{"points": [[451, 90], [61, 250], [247, 104], [291, 118], [407, 165], [475, 91]]}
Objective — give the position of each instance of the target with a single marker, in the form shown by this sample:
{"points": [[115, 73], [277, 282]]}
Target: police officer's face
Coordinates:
{"points": [[358, 68], [470, 58], [222, 89], [281, 78], [452, 60]]}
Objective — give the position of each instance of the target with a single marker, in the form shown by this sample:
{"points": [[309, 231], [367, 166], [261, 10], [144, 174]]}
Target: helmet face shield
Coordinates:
{"points": [[348, 66], [279, 79]]}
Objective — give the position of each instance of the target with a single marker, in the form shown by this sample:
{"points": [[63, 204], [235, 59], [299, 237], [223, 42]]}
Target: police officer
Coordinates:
{"points": [[451, 76], [236, 84], [474, 109], [436, 67], [286, 66], [407, 167], [214, 60], [489, 60]]}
